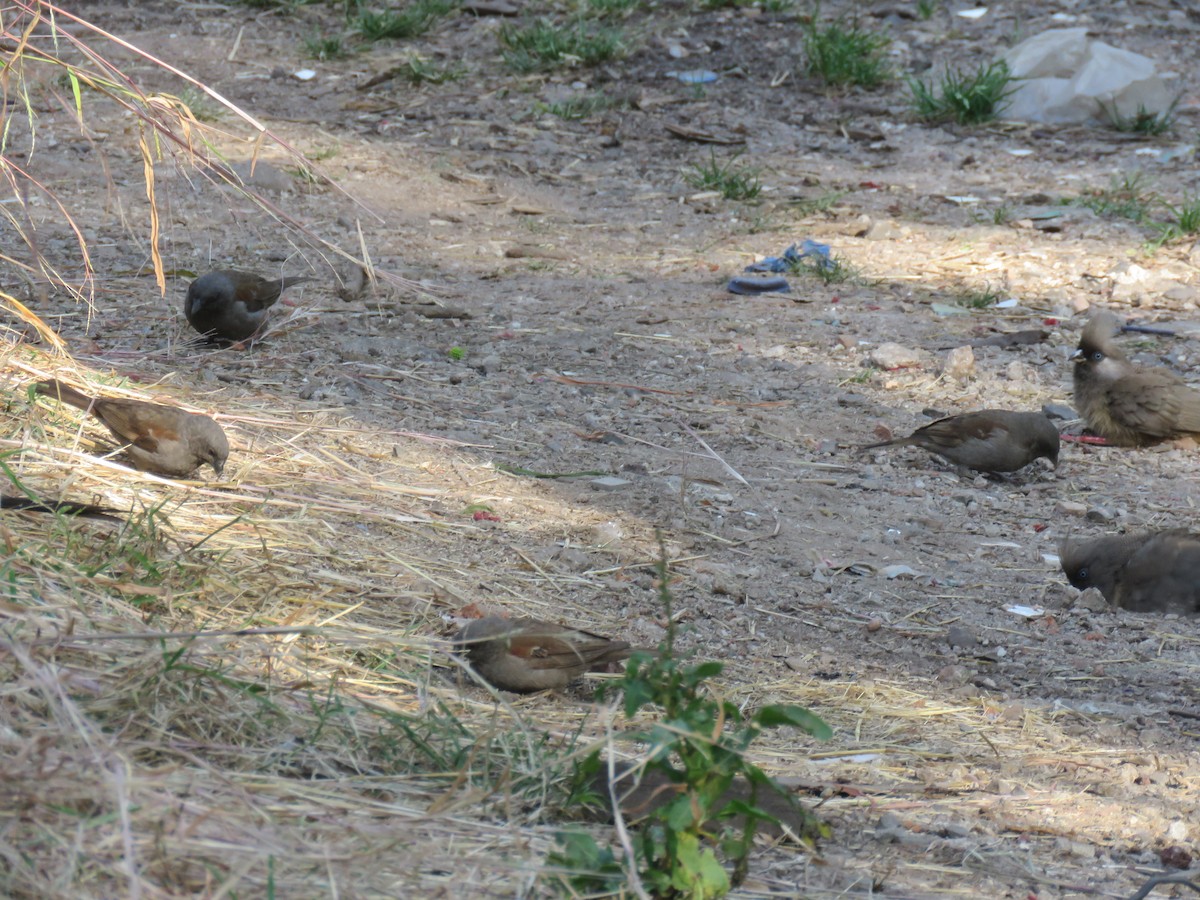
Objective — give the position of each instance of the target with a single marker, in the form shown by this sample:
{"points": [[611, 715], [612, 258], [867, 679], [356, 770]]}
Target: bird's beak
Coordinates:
{"points": [[1078, 354]]}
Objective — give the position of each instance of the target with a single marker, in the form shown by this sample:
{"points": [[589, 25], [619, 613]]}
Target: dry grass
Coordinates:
{"points": [[239, 692], [243, 691], [150, 754]]}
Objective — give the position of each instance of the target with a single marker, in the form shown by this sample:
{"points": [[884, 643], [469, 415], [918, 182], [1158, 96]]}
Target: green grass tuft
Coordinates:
{"points": [[968, 99], [1126, 197], [1143, 121], [396, 24], [733, 181], [543, 45], [842, 53]]}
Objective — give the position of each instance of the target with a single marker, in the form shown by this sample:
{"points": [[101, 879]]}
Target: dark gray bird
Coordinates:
{"points": [[1154, 571], [990, 440], [227, 305], [1127, 404], [157, 438], [526, 655]]}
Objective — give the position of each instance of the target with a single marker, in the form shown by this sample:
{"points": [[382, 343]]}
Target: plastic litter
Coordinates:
{"points": [[791, 257], [741, 285], [1066, 77], [695, 76]]}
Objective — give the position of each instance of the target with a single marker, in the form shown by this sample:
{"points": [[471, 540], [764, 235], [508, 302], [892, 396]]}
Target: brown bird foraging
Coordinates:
{"points": [[1155, 571], [1129, 405], [990, 440], [227, 305], [526, 655], [160, 439]]}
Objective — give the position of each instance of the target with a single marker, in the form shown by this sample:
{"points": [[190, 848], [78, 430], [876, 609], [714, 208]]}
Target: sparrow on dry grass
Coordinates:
{"points": [[159, 439], [227, 305], [990, 440], [526, 655], [1154, 571], [1127, 404]]}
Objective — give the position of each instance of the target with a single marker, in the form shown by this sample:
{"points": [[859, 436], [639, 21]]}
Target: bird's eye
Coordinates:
{"points": [[1097, 356], [1082, 574]]}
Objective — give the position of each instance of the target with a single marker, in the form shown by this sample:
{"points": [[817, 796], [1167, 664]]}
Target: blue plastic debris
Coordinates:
{"points": [[791, 258], [695, 76], [741, 285]]}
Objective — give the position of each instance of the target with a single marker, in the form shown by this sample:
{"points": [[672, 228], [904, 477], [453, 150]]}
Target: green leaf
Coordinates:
{"points": [[682, 813], [797, 716], [698, 875]]}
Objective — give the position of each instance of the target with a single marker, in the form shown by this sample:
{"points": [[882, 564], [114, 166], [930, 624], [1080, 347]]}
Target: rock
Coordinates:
{"points": [[1092, 600], [261, 174], [960, 364], [960, 636], [573, 560], [884, 231], [610, 483], [1070, 508], [890, 355], [956, 675]]}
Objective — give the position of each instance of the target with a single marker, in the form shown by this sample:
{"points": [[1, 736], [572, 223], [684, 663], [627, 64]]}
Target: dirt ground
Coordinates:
{"points": [[979, 752]]}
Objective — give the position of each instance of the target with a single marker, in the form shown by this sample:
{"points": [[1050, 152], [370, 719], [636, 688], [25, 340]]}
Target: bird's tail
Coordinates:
{"points": [[894, 442], [64, 392], [288, 280], [70, 508]]}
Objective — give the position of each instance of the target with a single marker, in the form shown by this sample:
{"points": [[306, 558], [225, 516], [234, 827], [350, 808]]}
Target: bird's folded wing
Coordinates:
{"points": [[1147, 402], [133, 426]]}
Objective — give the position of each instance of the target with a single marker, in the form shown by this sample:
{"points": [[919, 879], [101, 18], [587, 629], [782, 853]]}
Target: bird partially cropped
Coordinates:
{"points": [[990, 440], [526, 655], [228, 305], [1127, 404], [1154, 571], [159, 439], [66, 507]]}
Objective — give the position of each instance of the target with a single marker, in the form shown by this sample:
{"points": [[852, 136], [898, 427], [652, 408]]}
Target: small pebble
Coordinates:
{"points": [[610, 483], [1092, 600], [1069, 508], [958, 636], [890, 355], [960, 364]]}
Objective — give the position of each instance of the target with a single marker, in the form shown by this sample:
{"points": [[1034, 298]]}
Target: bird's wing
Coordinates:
{"points": [[133, 425], [257, 293], [954, 431], [1147, 402], [557, 647], [1163, 576]]}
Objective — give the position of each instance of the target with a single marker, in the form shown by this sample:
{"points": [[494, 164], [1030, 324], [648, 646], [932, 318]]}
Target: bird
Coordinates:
{"points": [[1153, 571], [1126, 404], [227, 305], [67, 507], [989, 440], [526, 655], [159, 439], [642, 793]]}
